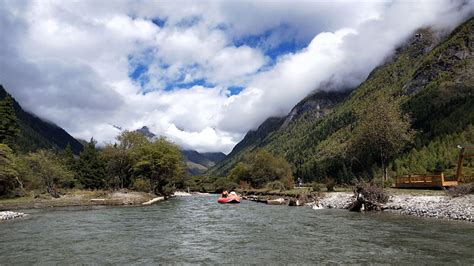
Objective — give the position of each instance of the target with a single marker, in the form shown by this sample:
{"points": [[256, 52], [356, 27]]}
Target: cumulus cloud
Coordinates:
{"points": [[88, 65]]}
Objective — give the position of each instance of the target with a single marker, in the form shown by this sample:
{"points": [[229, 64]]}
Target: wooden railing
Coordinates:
{"points": [[429, 180]]}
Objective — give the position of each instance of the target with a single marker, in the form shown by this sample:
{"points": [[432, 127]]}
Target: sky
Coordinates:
{"points": [[201, 73]]}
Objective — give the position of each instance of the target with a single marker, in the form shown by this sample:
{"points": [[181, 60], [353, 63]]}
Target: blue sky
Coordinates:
{"points": [[273, 43]]}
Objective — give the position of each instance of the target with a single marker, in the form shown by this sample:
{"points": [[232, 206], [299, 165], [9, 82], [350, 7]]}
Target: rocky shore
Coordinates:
{"points": [[9, 215], [458, 208], [434, 206]]}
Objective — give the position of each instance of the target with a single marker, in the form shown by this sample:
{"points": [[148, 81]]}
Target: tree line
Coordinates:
{"points": [[132, 162]]}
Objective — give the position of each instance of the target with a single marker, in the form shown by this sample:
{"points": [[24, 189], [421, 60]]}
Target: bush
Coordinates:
{"points": [[222, 184], [316, 187], [388, 183], [330, 184], [371, 191], [140, 184], [276, 185], [244, 185], [44, 170], [261, 167], [10, 184], [461, 190]]}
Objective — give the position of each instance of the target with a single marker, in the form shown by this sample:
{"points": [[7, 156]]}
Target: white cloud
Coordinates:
{"points": [[70, 61]]}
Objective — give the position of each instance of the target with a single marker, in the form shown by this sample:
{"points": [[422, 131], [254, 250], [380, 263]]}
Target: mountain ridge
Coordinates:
{"points": [[431, 78], [37, 133]]}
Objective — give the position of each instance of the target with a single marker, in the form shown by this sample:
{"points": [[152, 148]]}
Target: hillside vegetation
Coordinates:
{"points": [[429, 79], [35, 133]]}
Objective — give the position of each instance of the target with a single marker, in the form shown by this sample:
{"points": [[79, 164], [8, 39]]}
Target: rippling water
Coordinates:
{"points": [[198, 230]]}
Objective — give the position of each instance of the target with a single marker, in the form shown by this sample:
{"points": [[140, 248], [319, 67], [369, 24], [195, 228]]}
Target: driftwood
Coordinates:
{"points": [[155, 200], [279, 201], [363, 204], [368, 197]]}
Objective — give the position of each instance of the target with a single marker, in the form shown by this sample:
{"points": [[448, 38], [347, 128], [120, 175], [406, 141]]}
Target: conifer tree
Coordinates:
{"points": [[68, 158], [9, 128], [90, 167]]}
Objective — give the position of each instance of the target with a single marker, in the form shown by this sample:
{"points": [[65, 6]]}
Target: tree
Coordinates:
{"points": [[117, 158], [130, 139], [161, 163], [67, 157], [90, 167], [9, 128], [117, 166], [10, 184], [382, 131], [262, 167], [51, 171]]}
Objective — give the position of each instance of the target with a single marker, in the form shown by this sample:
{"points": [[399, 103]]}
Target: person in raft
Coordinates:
{"points": [[225, 194], [233, 194]]}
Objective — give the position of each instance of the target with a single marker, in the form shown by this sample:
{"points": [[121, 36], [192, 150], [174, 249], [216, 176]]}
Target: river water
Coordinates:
{"points": [[199, 230]]}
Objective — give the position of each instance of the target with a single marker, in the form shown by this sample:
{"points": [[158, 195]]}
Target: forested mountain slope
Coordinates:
{"points": [[36, 133], [198, 163], [430, 78]]}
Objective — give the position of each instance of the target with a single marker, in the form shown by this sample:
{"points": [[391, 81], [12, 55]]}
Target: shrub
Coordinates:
{"points": [[388, 183], [371, 191], [276, 185], [261, 167], [461, 190], [316, 187], [244, 185], [222, 184], [10, 184], [140, 184], [330, 184], [45, 170]]}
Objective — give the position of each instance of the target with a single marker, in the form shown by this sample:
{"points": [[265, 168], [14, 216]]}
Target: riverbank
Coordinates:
{"points": [[434, 204], [82, 198], [422, 203], [77, 198]]}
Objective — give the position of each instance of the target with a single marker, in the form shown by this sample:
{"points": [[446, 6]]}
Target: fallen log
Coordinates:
{"points": [[155, 200], [279, 201]]}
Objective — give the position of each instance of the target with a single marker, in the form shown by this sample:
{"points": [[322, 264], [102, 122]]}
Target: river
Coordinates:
{"points": [[199, 230]]}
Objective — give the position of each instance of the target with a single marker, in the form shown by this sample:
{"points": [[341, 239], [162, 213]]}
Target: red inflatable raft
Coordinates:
{"points": [[229, 200]]}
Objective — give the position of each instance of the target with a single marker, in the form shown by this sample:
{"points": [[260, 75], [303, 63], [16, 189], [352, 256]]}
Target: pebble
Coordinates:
{"points": [[438, 207], [9, 215]]}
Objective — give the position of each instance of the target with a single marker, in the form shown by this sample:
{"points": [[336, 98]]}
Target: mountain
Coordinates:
{"points": [[198, 163], [309, 110], [431, 79], [146, 132], [35, 133]]}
